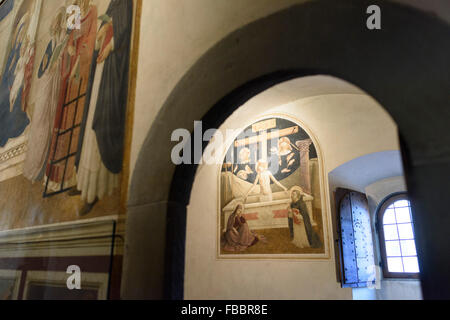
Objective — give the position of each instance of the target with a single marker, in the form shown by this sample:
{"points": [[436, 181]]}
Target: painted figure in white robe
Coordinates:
{"points": [[49, 76], [75, 72], [304, 234], [300, 238]]}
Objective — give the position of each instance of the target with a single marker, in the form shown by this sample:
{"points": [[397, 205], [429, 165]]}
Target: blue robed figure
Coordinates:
{"points": [[13, 120]]}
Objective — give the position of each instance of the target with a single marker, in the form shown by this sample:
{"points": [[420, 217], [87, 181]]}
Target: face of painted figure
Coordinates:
{"points": [[262, 166], [84, 6], [244, 155], [295, 196], [284, 146], [239, 211]]}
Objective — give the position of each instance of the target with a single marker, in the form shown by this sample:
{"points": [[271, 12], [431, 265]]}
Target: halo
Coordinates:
{"points": [[285, 140], [296, 188], [244, 152]]}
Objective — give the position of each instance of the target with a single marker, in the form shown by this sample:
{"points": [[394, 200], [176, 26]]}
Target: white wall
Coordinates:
{"points": [[358, 173], [346, 126]]}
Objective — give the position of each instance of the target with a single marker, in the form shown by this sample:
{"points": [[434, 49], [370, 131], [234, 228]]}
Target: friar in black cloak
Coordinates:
{"points": [[299, 204], [110, 109]]}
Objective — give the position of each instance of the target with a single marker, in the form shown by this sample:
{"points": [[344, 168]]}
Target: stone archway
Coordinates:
{"points": [[404, 67]]}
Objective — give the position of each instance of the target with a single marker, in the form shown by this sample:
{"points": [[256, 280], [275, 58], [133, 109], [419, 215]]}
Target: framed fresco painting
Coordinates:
{"points": [[272, 200], [66, 120], [16, 71]]}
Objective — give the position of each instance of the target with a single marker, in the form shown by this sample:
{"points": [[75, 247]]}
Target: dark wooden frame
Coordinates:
{"points": [[339, 195], [379, 226]]}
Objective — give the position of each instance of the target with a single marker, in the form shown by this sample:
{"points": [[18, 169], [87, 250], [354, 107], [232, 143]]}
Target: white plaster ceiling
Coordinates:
{"points": [[301, 88], [361, 172]]}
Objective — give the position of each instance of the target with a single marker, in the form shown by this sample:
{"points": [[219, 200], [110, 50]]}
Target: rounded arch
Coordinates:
{"points": [[403, 66], [379, 212]]}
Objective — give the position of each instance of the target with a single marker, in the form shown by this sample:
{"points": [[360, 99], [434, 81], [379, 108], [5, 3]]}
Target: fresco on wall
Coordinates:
{"points": [[76, 122], [15, 82], [270, 196]]}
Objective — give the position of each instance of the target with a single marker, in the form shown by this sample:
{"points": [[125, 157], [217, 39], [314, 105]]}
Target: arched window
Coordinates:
{"points": [[397, 243]]}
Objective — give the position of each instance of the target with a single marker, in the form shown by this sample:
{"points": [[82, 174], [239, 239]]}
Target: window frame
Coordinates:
{"points": [[388, 201]]}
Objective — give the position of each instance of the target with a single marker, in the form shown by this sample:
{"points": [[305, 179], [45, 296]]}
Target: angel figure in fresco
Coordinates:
{"points": [[49, 81], [238, 236], [75, 70], [304, 235], [243, 169], [287, 158], [103, 131], [263, 178]]}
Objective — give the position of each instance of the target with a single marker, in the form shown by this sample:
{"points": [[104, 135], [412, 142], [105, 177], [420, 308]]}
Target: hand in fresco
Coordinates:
{"points": [[75, 70], [105, 52], [102, 34], [103, 30], [71, 50]]}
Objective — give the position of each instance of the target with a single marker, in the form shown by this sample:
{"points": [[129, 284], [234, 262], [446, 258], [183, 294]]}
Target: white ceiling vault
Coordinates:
{"points": [[361, 172]]}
